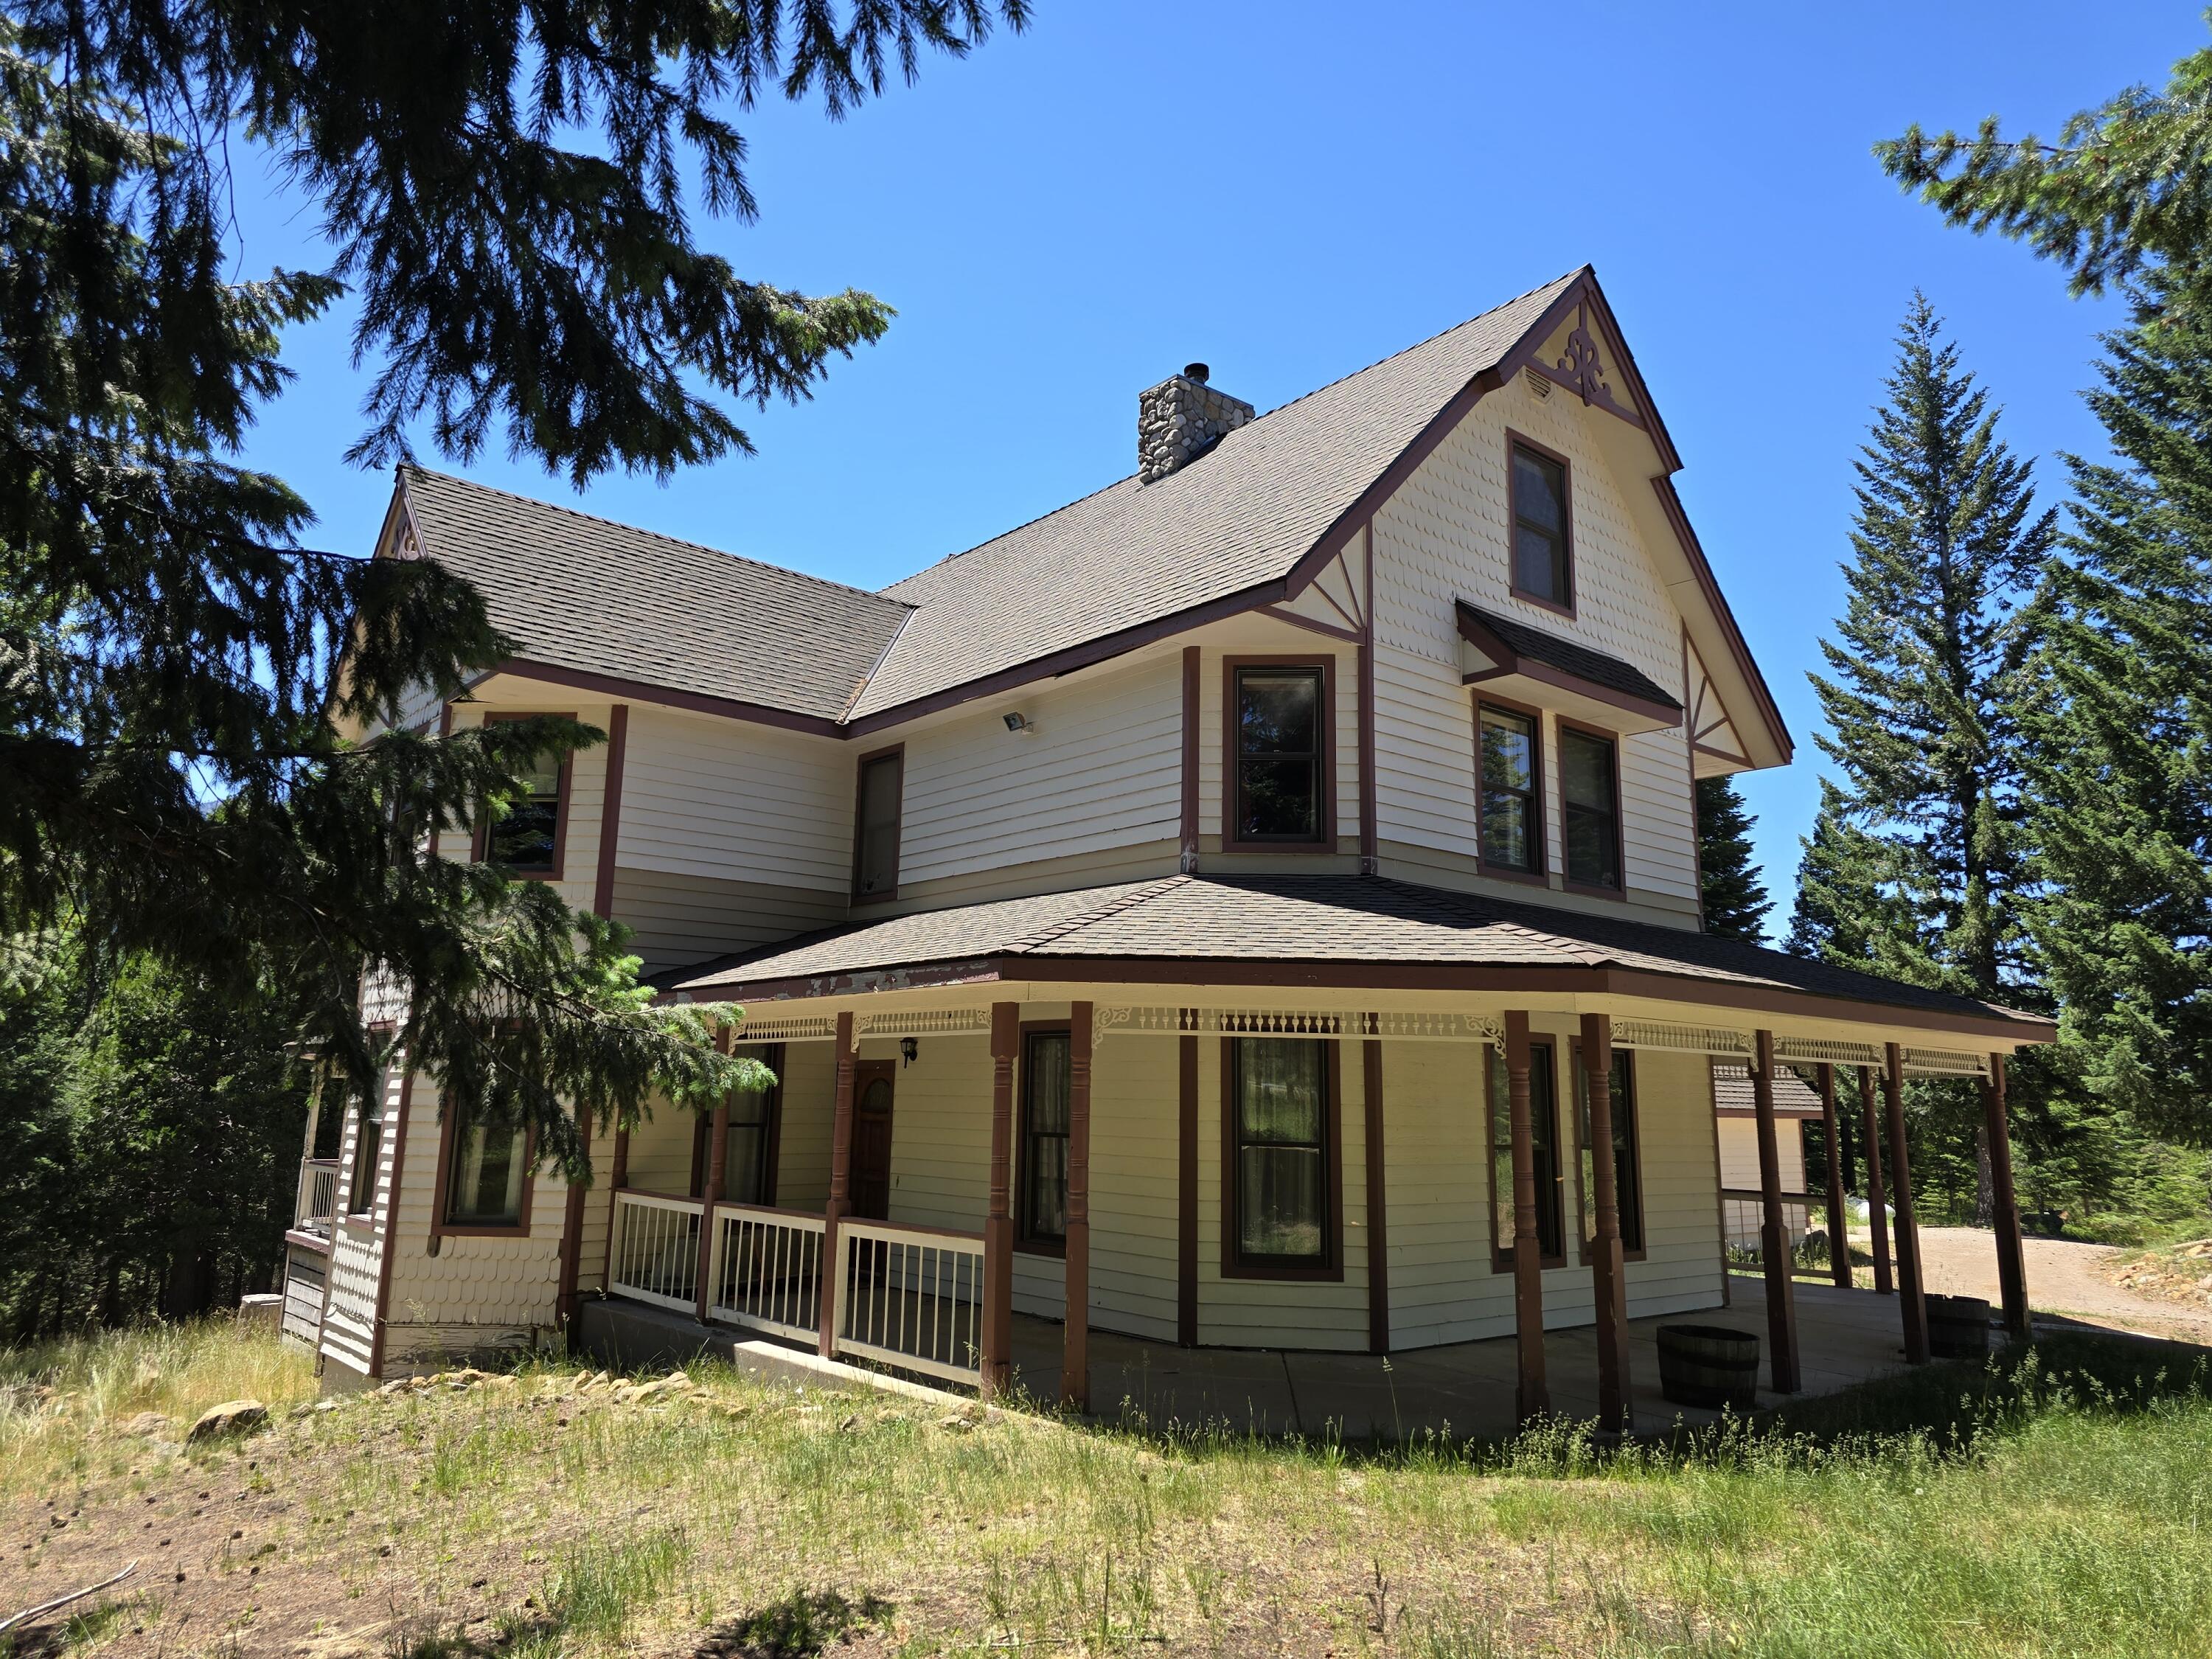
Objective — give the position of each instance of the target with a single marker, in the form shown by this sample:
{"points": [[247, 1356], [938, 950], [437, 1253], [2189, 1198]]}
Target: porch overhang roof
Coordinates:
{"points": [[1324, 933]]}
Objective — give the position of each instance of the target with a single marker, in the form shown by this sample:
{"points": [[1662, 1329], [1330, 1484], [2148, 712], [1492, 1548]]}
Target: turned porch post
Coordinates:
{"points": [[1839, 1232], [840, 1172], [998, 1223], [1909, 1287], [1532, 1397], [1075, 1338], [710, 1194], [1773, 1232], [1609, 1286], [2012, 1254], [1877, 1196]]}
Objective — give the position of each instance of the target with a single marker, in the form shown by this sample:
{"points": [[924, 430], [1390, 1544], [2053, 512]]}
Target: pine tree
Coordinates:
{"points": [[176, 669], [2122, 753], [1922, 868], [1734, 895]]}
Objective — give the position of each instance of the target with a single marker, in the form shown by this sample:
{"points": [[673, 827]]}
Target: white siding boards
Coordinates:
{"points": [[1443, 536]]}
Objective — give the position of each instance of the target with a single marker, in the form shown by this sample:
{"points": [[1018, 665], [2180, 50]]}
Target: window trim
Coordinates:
{"points": [[352, 1170], [1025, 1241], [1612, 740], [1521, 441], [480, 843], [1330, 1269], [1501, 1258], [1324, 837], [1540, 876], [1584, 1199], [896, 752], [441, 1226], [702, 1125]]}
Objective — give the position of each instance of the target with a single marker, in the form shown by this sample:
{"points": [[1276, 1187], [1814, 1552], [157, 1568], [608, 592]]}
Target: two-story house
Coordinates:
{"points": [[1194, 914]]}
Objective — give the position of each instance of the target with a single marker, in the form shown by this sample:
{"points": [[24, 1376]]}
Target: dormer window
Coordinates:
{"points": [[1278, 745], [1541, 571]]}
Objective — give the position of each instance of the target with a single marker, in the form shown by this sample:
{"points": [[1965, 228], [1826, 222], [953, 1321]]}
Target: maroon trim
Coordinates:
{"points": [[1671, 505], [1369, 835], [480, 841], [620, 687], [1330, 1269], [895, 751], [1586, 1218], [1191, 656], [1324, 838], [1334, 630], [1592, 890], [1535, 876], [603, 891], [1520, 440]]}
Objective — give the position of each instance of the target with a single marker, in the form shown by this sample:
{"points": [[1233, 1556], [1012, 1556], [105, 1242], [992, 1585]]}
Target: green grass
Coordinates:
{"points": [[2057, 1506]]}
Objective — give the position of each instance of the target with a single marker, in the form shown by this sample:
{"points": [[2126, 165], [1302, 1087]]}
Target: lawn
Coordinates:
{"points": [[2063, 1506]]}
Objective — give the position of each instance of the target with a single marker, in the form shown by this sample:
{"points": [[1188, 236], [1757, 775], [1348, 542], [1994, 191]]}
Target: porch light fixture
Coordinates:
{"points": [[1018, 723], [908, 1050]]}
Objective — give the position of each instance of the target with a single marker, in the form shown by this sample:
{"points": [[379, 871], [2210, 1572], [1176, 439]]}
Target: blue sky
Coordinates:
{"points": [[1291, 191]]}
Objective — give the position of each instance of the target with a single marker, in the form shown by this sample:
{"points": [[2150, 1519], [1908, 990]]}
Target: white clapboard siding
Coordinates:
{"points": [[730, 798], [1442, 537], [1102, 769], [810, 1092], [1680, 1269], [1739, 1153], [356, 1246]]}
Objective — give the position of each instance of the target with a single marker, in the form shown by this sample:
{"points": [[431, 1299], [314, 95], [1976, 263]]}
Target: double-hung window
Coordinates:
{"points": [[748, 1164], [487, 1163], [876, 825], [1541, 571], [1590, 795], [1627, 1177], [1279, 735], [525, 839], [1280, 1155], [1045, 1087], [1512, 796], [1544, 1146]]}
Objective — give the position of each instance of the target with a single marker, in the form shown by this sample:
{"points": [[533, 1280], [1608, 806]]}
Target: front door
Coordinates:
{"points": [[871, 1173]]}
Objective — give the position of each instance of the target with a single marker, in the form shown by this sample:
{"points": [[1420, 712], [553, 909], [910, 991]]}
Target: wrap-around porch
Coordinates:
{"points": [[849, 1280]]}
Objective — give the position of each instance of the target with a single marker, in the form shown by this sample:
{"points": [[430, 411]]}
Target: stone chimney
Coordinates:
{"points": [[1180, 419]]}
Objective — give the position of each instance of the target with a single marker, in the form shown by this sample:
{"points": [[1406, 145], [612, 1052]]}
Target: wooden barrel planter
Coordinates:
{"points": [[1709, 1365], [1958, 1327]]}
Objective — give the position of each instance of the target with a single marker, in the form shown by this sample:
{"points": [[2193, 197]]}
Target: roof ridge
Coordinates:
{"points": [[1097, 913], [657, 535], [1292, 403]]}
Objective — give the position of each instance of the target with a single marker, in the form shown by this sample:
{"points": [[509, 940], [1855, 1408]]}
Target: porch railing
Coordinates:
{"points": [[656, 1251], [316, 1204], [910, 1297], [1744, 1214], [768, 1269]]}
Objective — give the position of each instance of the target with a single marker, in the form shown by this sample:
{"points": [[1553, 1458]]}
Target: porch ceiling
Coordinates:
{"points": [[1344, 946]]}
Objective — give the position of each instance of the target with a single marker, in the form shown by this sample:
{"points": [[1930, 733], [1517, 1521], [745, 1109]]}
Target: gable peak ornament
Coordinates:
{"points": [[1580, 369]]}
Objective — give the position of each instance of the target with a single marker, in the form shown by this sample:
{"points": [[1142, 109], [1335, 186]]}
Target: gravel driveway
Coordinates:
{"points": [[2064, 1277]]}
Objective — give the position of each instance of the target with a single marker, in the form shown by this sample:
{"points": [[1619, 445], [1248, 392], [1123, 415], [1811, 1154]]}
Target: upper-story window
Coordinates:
{"points": [[876, 825], [1590, 794], [1512, 804], [527, 841], [1279, 749], [1541, 566]]}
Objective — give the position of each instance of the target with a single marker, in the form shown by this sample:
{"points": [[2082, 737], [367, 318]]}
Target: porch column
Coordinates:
{"points": [[1609, 1286], [1909, 1292], [1877, 1196], [710, 1194], [2012, 1254], [1075, 1338], [1531, 1396], [1839, 1231], [1773, 1232], [841, 1171], [997, 1222]]}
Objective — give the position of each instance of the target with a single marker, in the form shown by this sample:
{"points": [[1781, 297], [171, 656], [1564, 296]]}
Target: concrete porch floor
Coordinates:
{"points": [[1843, 1337]]}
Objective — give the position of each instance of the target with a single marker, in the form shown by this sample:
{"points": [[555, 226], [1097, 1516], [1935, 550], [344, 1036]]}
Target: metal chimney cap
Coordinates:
{"points": [[1197, 372]]}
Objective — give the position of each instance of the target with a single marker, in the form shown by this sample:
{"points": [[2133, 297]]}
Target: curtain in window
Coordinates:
{"points": [[1282, 1105]]}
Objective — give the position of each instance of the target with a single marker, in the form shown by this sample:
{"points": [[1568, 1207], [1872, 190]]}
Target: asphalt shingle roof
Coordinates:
{"points": [[584, 592], [1293, 920], [1793, 1096], [1571, 657]]}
